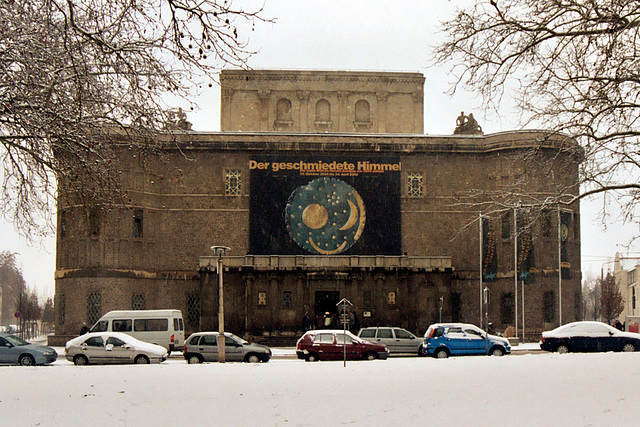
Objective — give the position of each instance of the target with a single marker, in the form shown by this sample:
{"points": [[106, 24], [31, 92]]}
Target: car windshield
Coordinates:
{"points": [[15, 340]]}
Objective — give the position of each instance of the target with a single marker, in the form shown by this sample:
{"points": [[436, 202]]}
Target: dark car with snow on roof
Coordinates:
{"points": [[328, 344], [583, 337]]}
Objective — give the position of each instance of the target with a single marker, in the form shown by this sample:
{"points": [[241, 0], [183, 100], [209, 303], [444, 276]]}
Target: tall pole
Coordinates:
{"points": [[220, 250], [515, 265], [221, 339], [559, 267], [522, 311], [480, 240]]}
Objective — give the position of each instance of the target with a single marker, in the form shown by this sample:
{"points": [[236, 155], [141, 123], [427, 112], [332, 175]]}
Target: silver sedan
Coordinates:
{"points": [[111, 348]]}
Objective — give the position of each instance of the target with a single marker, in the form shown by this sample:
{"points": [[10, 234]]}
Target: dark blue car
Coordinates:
{"points": [[462, 339], [583, 337]]}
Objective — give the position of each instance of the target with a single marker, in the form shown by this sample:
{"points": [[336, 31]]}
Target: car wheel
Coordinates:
{"points": [[497, 351], [370, 356], [80, 360], [421, 351], [252, 358], [628, 347], [194, 359], [26, 360], [441, 354], [562, 349], [312, 357], [142, 360]]}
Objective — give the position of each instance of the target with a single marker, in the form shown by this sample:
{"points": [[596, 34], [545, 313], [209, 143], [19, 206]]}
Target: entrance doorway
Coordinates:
{"points": [[326, 302]]}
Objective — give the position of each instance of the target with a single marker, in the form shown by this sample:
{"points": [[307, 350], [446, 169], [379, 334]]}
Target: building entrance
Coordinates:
{"points": [[326, 302]]}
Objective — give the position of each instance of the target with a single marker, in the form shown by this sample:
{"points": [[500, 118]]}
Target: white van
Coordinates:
{"points": [[161, 327]]}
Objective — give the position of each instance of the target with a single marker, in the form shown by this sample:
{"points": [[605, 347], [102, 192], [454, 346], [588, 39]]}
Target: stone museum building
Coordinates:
{"points": [[324, 186]]}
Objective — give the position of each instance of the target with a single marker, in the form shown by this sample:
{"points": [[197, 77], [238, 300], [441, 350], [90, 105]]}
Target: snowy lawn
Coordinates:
{"points": [[540, 389]]}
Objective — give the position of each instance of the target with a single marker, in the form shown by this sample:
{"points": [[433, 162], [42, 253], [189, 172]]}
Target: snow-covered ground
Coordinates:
{"points": [[520, 390]]}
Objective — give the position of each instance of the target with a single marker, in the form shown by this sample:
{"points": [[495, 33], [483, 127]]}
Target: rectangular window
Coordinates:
{"points": [[137, 302], [94, 307], [507, 307], [456, 306], [233, 182], [548, 307], [547, 224], [391, 298], [151, 325], [63, 218], [121, 325], [193, 311], [414, 184], [366, 299], [262, 298], [287, 299], [138, 216], [94, 221], [633, 298]]}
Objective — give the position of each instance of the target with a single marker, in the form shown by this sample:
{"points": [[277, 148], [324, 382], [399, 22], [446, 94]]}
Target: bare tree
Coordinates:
{"points": [[611, 300], [573, 66], [13, 286], [73, 70]]}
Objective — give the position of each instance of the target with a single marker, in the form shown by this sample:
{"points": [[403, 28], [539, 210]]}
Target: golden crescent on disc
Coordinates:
{"points": [[362, 216], [353, 216]]}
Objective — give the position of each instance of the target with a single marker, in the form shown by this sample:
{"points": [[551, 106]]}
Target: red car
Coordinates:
{"points": [[328, 344]]}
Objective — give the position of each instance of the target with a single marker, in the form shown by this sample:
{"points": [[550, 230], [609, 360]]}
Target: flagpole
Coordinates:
{"points": [[480, 240], [515, 264], [559, 267]]}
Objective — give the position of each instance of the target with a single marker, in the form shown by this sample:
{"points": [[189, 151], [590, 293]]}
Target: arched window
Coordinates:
{"points": [[283, 111], [362, 111], [363, 115], [323, 111]]}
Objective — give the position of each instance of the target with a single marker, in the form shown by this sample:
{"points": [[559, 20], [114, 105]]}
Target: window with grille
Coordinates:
{"points": [[414, 184], [233, 182], [193, 311], [507, 308], [138, 216], [391, 298], [138, 302], [287, 299], [262, 298], [61, 309], [94, 307]]}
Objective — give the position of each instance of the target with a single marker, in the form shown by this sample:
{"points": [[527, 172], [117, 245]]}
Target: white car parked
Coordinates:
{"points": [[112, 347]]}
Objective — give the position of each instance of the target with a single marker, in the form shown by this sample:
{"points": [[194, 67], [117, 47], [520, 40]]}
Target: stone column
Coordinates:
{"points": [[303, 97], [342, 112], [263, 96], [418, 108], [382, 111], [248, 291], [226, 113]]}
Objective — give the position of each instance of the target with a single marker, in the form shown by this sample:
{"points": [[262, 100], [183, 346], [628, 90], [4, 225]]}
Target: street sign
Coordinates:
{"points": [[17, 315]]}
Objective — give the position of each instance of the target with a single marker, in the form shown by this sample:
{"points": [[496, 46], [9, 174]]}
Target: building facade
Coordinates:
{"points": [[324, 187]]}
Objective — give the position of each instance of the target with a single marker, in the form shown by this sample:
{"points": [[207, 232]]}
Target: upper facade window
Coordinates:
{"points": [[415, 183], [284, 117], [323, 114], [233, 182], [363, 115]]}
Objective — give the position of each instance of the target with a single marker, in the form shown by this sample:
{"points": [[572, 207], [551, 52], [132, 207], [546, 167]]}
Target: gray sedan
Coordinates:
{"points": [[16, 351], [203, 347], [397, 340]]}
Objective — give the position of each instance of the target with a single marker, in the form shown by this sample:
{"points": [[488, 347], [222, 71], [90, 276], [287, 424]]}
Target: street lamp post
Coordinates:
{"points": [[220, 251]]}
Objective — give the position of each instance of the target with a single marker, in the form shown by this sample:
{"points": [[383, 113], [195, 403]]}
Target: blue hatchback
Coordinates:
{"points": [[461, 339]]}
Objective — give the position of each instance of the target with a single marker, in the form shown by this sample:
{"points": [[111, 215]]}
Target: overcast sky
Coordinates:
{"points": [[355, 35]]}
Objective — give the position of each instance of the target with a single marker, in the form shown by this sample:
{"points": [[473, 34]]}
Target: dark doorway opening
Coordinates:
{"points": [[326, 302]]}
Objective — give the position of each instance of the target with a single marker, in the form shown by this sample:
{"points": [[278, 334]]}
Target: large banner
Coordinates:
{"points": [[489, 254], [325, 205]]}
